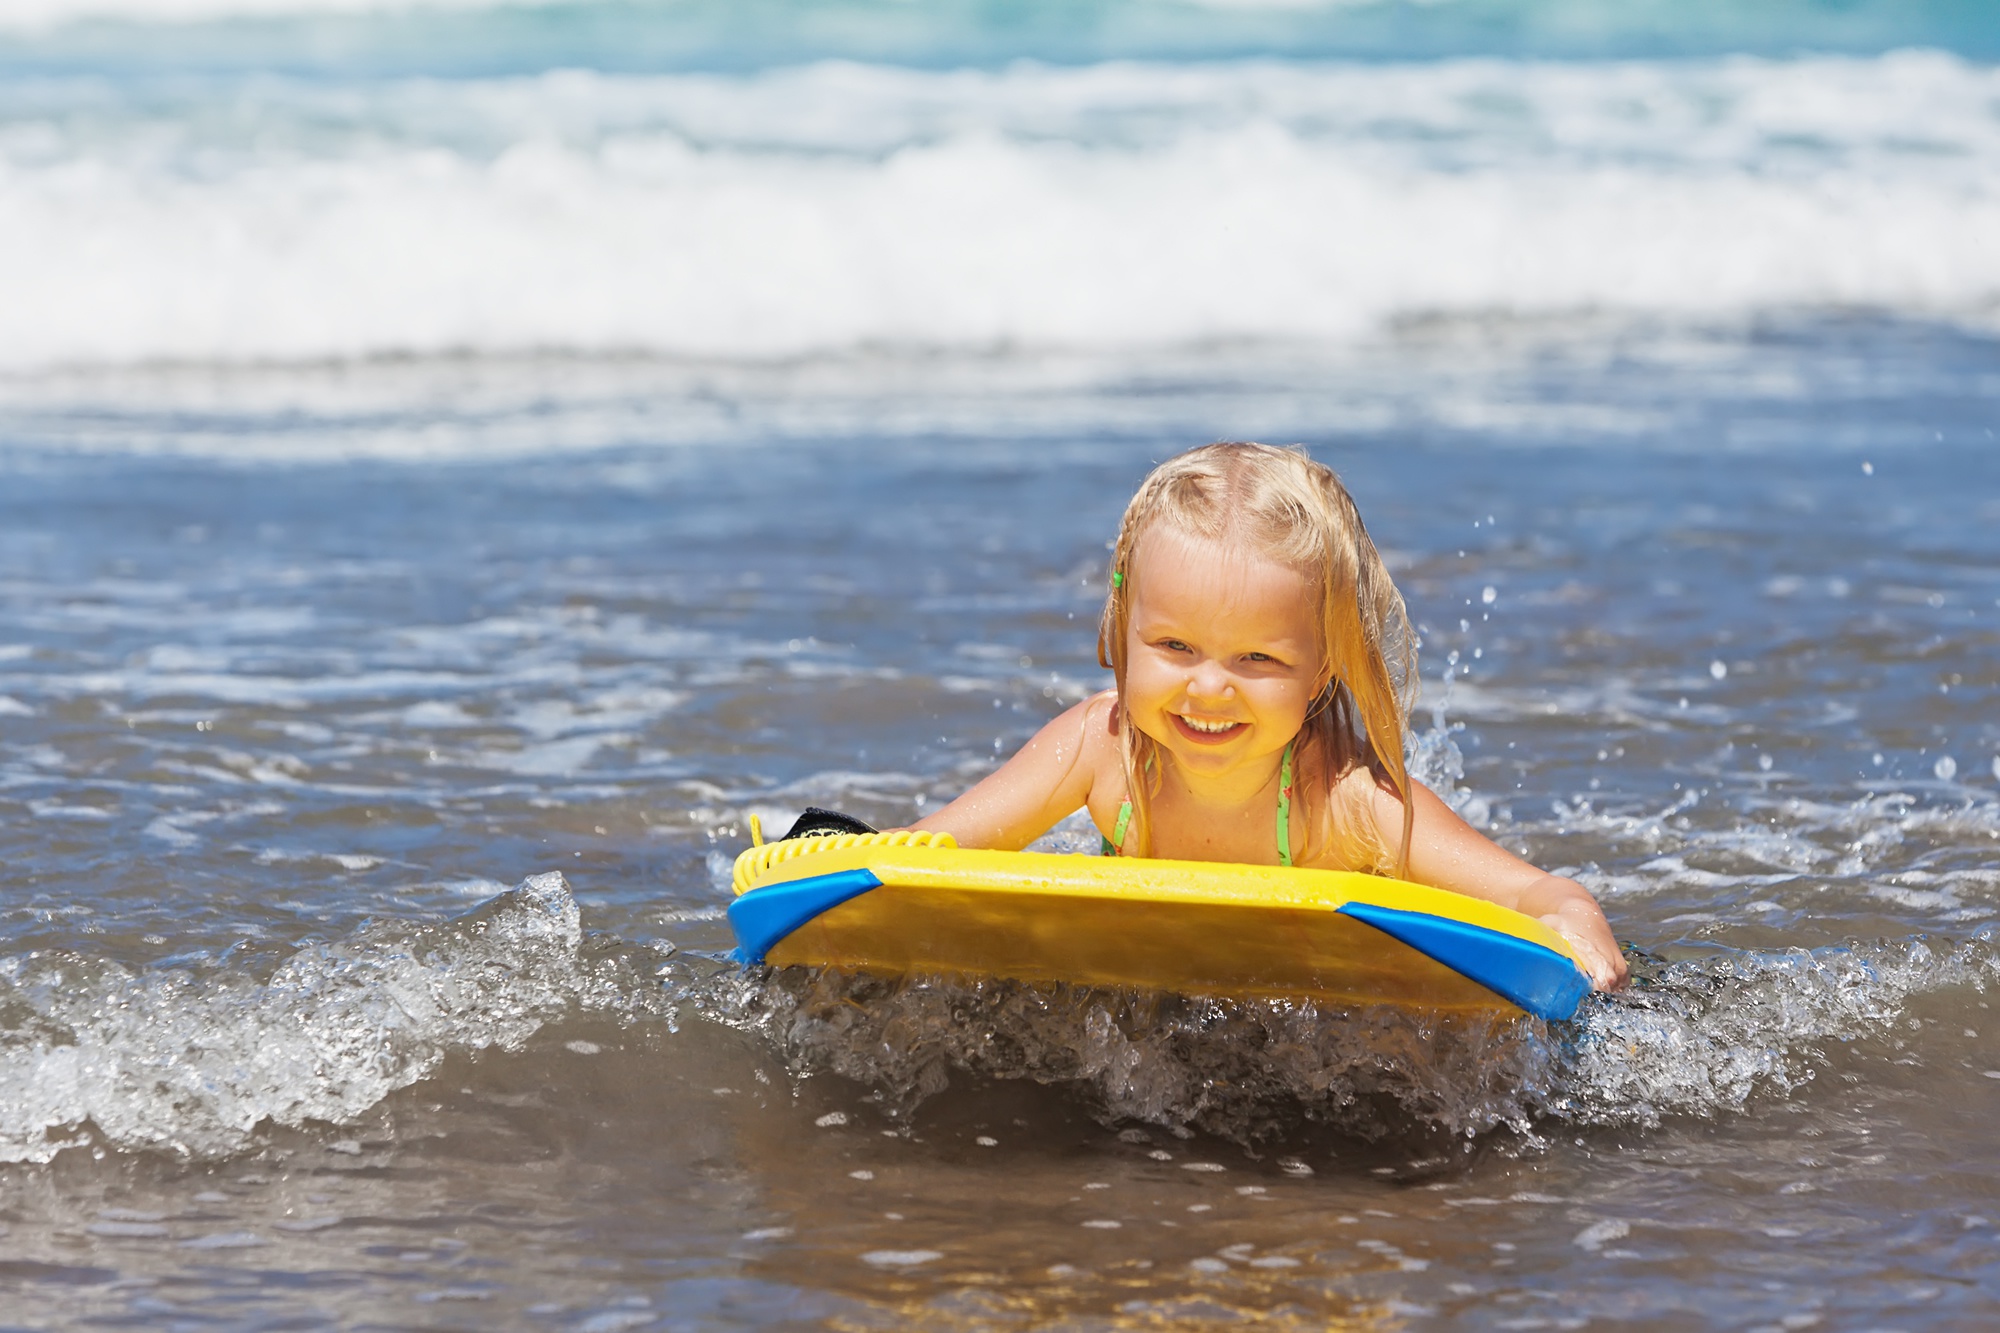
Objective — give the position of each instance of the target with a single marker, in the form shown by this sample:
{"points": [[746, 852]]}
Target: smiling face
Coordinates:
{"points": [[1221, 653]]}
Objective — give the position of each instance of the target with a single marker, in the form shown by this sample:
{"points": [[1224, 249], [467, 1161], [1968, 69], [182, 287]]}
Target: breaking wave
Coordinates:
{"points": [[197, 1056], [837, 206], [194, 1058]]}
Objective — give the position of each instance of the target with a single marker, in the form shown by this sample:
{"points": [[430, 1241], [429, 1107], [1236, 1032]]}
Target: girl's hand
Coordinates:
{"points": [[1580, 921]]}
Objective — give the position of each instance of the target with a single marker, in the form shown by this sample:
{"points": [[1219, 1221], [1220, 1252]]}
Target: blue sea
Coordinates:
{"points": [[459, 462]]}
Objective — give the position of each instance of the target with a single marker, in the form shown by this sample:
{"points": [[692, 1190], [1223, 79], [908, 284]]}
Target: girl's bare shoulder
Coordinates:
{"points": [[1098, 720], [1103, 757], [1080, 740]]}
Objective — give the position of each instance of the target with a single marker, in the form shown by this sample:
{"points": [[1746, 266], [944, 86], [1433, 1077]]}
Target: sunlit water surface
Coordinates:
{"points": [[375, 741]]}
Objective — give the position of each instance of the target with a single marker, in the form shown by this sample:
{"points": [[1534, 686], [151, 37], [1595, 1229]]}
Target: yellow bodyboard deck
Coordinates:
{"points": [[896, 903]]}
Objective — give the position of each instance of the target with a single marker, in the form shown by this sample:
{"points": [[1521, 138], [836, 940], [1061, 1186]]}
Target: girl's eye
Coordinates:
{"points": [[1174, 646]]}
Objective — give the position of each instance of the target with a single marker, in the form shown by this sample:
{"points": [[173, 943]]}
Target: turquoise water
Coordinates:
{"points": [[331, 38]]}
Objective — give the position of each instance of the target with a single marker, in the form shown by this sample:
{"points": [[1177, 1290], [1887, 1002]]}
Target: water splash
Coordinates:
{"points": [[1433, 758], [1249, 1071], [193, 1058], [1698, 1037], [1704, 1036]]}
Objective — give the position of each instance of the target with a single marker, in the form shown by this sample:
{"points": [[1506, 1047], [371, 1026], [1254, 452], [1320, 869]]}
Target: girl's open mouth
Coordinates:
{"points": [[1205, 732]]}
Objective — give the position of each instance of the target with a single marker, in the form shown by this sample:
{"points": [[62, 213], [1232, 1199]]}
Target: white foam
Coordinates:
{"points": [[194, 1064], [1707, 1035], [1701, 1037], [1112, 206], [1158, 1059]]}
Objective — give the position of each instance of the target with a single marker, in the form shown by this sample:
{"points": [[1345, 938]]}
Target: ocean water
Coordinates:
{"points": [[458, 463]]}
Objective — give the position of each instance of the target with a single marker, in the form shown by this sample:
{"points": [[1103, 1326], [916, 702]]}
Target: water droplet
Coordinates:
{"points": [[1764, 762], [1867, 469], [1946, 768], [900, 1258], [831, 1118], [1594, 1236], [1488, 593], [1718, 669]]}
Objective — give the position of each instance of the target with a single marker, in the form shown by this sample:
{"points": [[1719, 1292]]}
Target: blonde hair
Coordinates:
{"points": [[1293, 511]]}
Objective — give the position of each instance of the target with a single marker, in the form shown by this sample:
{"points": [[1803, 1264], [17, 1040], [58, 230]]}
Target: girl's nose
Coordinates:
{"points": [[1209, 681]]}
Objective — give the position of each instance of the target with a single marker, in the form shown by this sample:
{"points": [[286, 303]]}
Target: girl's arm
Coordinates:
{"points": [[1024, 798], [1448, 853]]}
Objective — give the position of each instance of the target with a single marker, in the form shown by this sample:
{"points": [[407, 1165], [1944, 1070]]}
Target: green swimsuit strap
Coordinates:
{"points": [[1285, 809], [1115, 844]]}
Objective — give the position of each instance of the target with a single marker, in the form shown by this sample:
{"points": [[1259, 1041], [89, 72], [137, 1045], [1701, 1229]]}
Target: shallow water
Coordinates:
{"points": [[375, 738]]}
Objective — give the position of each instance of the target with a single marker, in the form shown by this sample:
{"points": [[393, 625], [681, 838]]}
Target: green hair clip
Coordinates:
{"points": [[1117, 578]]}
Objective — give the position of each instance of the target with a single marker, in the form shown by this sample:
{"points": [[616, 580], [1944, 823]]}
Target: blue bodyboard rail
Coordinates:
{"points": [[1539, 979], [764, 916]]}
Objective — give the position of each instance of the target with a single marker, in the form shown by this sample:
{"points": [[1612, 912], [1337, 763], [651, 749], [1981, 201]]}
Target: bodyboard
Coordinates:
{"points": [[899, 903]]}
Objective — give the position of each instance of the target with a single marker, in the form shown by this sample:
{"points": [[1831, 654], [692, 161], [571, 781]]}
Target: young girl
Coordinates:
{"points": [[1264, 670]]}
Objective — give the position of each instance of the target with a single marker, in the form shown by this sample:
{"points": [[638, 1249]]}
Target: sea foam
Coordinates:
{"points": [[194, 1059], [839, 206], [1699, 1037]]}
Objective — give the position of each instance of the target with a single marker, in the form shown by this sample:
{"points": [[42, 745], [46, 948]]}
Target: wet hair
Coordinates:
{"points": [[1293, 511]]}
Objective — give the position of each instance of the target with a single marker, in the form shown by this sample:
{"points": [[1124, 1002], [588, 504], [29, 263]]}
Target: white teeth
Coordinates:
{"points": [[1210, 727]]}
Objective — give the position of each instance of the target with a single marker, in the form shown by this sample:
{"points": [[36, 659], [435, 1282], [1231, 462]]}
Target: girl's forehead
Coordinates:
{"points": [[1177, 574]]}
